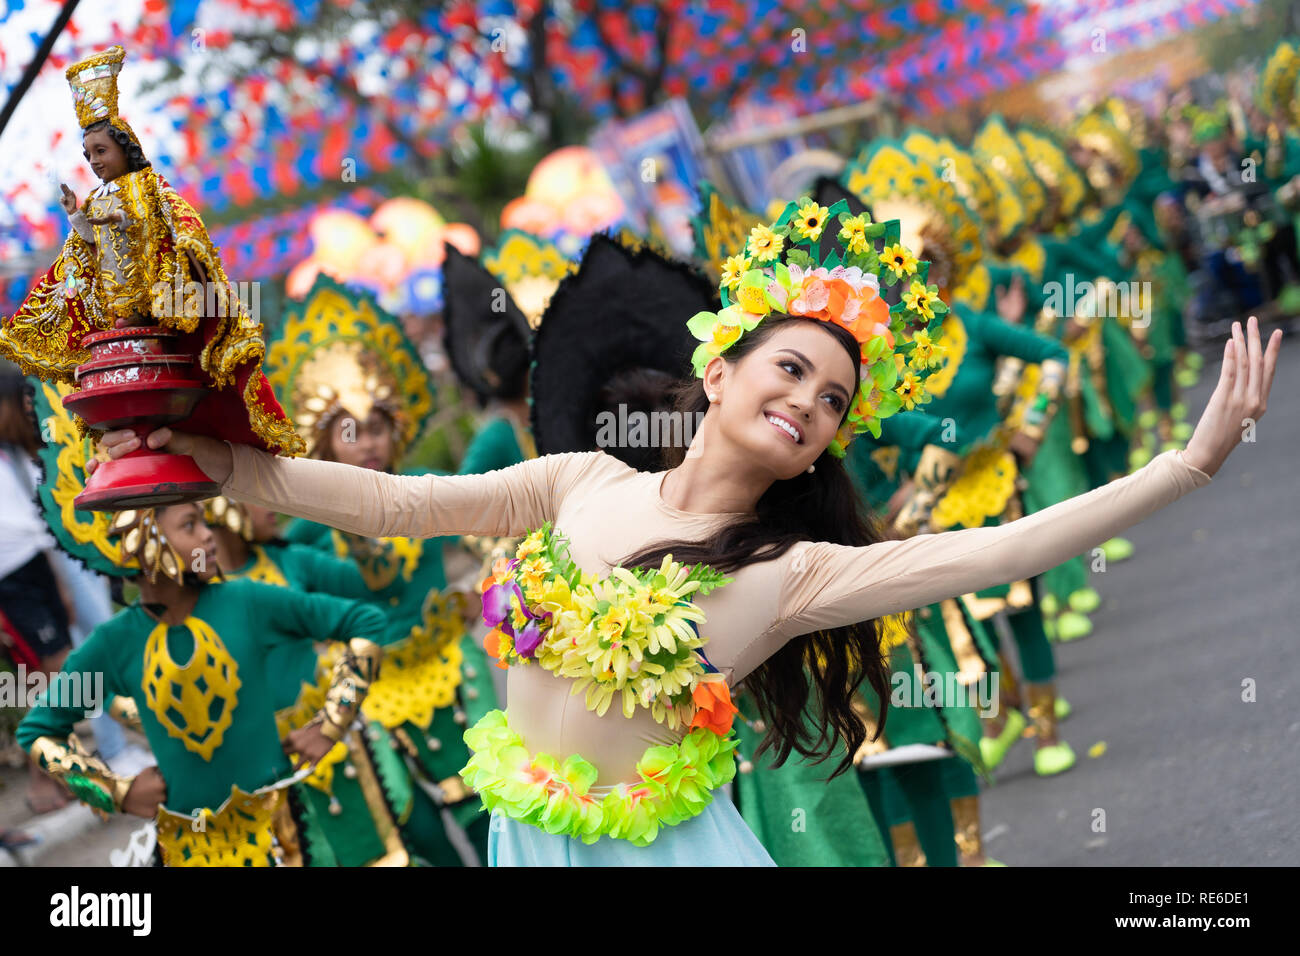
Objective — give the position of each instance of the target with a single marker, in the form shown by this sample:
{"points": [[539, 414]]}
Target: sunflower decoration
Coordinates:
{"points": [[784, 270], [337, 351]]}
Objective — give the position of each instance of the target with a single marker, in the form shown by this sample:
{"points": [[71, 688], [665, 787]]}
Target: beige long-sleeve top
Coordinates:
{"points": [[609, 511]]}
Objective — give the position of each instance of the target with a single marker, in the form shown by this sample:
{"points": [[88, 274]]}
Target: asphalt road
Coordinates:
{"points": [[1207, 608]]}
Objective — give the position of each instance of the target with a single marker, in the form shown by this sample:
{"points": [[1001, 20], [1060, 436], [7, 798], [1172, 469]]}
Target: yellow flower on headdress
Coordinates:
{"points": [[899, 259], [854, 234], [733, 269], [764, 244], [753, 299], [909, 390], [810, 220], [927, 353], [919, 299]]}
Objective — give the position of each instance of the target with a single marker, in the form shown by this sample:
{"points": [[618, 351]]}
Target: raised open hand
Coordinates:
{"points": [[67, 199], [1239, 400]]}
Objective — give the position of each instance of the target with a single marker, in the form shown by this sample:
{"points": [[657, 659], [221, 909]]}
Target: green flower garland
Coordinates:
{"points": [[675, 784]]}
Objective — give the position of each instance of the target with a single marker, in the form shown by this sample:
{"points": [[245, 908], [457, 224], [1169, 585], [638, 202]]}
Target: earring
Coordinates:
{"points": [[811, 469], [713, 399]]}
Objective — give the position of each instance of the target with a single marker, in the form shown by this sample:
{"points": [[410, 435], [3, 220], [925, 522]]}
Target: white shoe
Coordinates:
{"points": [[130, 760]]}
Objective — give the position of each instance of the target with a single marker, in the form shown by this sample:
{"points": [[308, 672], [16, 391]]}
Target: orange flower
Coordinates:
{"points": [[869, 314], [492, 644], [713, 707]]}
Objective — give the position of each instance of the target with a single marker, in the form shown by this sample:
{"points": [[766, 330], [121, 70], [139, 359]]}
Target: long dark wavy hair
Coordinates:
{"points": [[822, 506], [135, 158]]}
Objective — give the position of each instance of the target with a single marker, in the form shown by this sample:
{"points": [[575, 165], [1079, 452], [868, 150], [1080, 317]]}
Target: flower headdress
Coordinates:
{"points": [[783, 270], [94, 89]]}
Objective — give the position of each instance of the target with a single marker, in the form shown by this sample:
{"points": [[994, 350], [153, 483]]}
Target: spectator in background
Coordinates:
{"points": [[36, 608]]}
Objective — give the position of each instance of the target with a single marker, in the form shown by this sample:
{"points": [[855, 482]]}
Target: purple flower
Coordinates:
{"points": [[528, 640], [496, 604]]}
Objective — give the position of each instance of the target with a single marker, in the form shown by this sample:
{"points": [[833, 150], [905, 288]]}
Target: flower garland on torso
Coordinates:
{"points": [[632, 635]]}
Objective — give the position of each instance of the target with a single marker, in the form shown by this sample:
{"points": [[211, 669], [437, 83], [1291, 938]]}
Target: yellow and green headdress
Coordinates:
{"points": [[959, 167], [1118, 160], [338, 351], [119, 544], [721, 230], [1277, 81], [827, 265], [94, 89], [999, 151], [1053, 166], [1208, 125], [530, 268], [898, 185]]}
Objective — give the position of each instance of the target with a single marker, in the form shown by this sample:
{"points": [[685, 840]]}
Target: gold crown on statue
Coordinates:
{"points": [[94, 89]]}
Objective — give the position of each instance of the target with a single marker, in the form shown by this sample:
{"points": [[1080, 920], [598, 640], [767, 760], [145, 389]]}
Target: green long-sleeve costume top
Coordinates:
{"points": [[975, 341], [210, 723], [399, 574], [307, 569]]}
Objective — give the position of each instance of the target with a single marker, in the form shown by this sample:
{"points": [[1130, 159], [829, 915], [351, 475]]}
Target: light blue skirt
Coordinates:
{"points": [[717, 837]]}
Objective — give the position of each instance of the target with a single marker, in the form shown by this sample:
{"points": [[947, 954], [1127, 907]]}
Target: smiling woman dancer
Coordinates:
{"points": [[761, 497]]}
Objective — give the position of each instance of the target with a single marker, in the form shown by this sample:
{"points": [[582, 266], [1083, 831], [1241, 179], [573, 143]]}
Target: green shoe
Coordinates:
{"points": [[1182, 430], [1289, 301], [1117, 549], [1148, 418], [1053, 759], [1139, 457], [994, 749], [1084, 600], [1071, 626], [1049, 605], [1063, 708]]}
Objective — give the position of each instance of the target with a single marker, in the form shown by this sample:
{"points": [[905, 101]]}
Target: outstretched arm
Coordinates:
{"points": [[511, 501], [827, 585]]}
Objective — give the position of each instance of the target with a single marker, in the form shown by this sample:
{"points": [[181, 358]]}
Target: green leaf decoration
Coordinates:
{"points": [[884, 373]]}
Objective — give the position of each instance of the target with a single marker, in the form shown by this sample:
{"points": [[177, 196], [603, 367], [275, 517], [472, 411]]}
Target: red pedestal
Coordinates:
{"points": [[136, 380]]}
